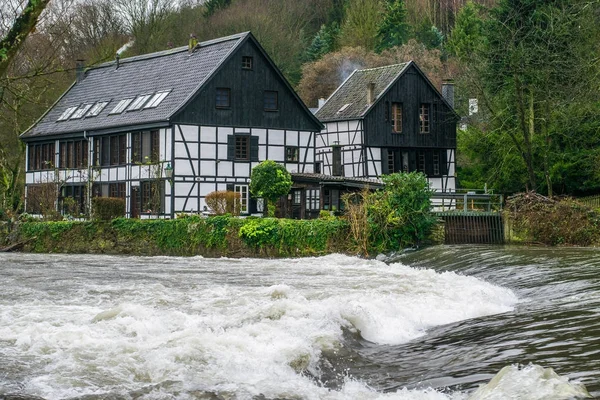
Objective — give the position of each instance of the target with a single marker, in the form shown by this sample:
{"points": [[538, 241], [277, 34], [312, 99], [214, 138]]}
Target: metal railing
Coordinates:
{"points": [[467, 201]]}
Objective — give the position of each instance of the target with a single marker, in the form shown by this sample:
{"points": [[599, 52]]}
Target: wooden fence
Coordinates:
{"points": [[590, 201]]}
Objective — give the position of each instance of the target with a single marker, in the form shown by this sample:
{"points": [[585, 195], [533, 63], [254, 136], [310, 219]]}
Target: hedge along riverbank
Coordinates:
{"points": [[219, 236]]}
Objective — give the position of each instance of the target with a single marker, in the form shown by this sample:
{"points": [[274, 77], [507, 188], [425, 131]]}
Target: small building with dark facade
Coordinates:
{"points": [[163, 130], [385, 120]]}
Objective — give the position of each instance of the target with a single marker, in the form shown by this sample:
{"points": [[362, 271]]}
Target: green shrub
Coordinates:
{"points": [[107, 208], [270, 180], [392, 218]]}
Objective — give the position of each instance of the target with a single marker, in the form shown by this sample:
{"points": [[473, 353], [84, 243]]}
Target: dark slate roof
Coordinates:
{"points": [[176, 70], [354, 92]]}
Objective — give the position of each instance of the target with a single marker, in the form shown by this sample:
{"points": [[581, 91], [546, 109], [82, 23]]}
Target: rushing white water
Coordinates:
{"points": [[172, 327]]}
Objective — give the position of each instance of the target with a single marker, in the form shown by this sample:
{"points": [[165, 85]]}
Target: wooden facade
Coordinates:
{"points": [[404, 125]]}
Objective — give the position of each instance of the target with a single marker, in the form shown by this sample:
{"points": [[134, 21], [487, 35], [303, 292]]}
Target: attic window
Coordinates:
{"points": [[97, 108], [81, 111], [139, 102], [156, 99], [344, 107], [119, 108], [246, 62], [67, 113]]}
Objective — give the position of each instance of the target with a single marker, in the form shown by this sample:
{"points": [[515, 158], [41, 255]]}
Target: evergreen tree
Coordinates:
{"points": [[467, 37], [393, 30], [324, 42]]}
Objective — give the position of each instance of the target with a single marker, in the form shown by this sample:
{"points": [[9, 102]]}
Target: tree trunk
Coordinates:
{"points": [[524, 122], [23, 26]]}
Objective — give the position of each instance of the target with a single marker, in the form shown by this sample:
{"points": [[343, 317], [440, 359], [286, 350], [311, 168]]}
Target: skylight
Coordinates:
{"points": [[139, 102], [156, 99], [67, 113], [97, 108], [344, 107], [81, 111], [121, 106]]}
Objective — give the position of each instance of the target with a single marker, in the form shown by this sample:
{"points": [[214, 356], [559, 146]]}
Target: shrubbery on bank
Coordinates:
{"points": [[536, 219], [213, 237], [385, 220]]}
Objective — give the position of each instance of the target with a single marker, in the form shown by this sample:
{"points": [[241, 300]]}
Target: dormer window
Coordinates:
{"points": [[66, 114], [344, 107], [139, 102], [156, 99], [121, 106], [81, 111], [246, 62], [97, 108]]}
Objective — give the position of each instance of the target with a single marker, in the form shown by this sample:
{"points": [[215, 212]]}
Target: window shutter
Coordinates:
{"points": [[230, 187], [385, 169], [252, 209], [412, 157], [429, 163], [230, 148], [443, 162], [253, 148]]}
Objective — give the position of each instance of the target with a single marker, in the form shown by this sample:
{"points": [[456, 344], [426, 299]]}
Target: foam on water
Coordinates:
{"points": [[244, 327]]}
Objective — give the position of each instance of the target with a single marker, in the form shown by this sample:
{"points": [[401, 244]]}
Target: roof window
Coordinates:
{"points": [[139, 102], [121, 106], [67, 113], [81, 111], [341, 110], [156, 99], [97, 108]]}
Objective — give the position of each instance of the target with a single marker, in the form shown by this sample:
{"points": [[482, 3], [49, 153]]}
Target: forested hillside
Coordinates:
{"points": [[533, 65]]}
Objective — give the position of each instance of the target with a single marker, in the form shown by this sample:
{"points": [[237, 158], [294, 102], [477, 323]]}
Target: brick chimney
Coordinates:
{"points": [[80, 70], [321, 102], [370, 93], [448, 91]]}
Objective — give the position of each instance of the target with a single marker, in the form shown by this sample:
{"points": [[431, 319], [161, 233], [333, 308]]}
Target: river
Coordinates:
{"points": [[443, 323]]}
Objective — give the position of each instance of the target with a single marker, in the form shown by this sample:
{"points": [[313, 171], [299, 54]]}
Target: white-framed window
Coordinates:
{"points": [[313, 197], [97, 108], [81, 111], [67, 113], [156, 99], [121, 106], [243, 191], [138, 102]]}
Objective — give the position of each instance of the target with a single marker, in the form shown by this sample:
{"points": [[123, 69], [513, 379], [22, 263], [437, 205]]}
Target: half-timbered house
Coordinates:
{"points": [[163, 130], [385, 120]]}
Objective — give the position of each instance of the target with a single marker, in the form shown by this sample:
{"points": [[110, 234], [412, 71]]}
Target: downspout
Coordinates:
{"points": [[89, 171]]}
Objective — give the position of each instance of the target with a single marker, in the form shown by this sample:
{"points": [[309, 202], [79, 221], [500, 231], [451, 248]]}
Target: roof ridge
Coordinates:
{"points": [[385, 66], [168, 52]]}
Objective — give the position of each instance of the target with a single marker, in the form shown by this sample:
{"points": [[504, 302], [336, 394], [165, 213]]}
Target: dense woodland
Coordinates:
{"points": [[533, 65]]}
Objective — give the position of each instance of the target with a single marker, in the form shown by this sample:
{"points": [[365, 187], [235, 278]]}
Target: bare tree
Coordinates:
{"points": [[22, 26]]}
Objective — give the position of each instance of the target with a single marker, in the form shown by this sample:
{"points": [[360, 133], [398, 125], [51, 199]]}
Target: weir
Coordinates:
{"points": [[470, 217]]}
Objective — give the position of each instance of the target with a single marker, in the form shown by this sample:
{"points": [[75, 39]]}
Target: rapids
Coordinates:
{"points": [[448, 323]]}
